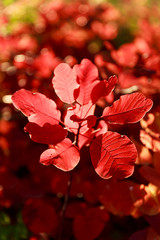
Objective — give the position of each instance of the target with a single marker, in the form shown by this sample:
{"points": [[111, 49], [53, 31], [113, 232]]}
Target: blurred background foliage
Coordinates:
{"points": [[23, 23], [27, 11], [10, 230]]}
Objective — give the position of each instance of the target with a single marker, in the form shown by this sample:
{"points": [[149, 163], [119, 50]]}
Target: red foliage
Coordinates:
{"points": [[108, 151], [116, 198], [128, 109], [89, 225], [37, 107], [39, 216], [60, 155], [82, 121], [113, 155], [65, 83]]}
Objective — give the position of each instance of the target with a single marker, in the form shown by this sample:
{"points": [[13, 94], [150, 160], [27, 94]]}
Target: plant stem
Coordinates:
{"points": [[66, 196], [64, 207], [77, 135]]}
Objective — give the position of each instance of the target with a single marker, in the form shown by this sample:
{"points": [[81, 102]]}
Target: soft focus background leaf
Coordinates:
{"points": [[120, 38]]}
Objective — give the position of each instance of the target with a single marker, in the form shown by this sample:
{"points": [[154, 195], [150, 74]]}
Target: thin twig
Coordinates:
{"points": [[64, 207], [66, 196], [77, 135]]}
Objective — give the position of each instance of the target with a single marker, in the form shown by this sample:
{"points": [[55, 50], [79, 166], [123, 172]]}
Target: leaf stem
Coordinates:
{"points": [[77, 135]]}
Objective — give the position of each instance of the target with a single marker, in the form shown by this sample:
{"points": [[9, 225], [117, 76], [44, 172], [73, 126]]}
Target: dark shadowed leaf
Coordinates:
{"points": [[113, 155], [39, 216], [88, 226], [103, 88], [129, 108], [150, 174], [112, 81], [65, 83], [145, 234], [116, 197], [154, 222], [91, 121], [48, 134], [64, 156], [75, 118], [37, 107], [75, 208], [139, 235]]}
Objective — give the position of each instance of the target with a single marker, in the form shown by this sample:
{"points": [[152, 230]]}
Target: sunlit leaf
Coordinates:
{"points": [[65, 83], [87, 74], [103, 88], [113, 155], [64, 156], [37, 107], [129, 108]]}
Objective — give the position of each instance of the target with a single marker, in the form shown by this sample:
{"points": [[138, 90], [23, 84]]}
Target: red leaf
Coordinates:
{"points": [[65, 83], [146, 198], [87, 73], [152, 234], [116, 197], [72, 125], [151, 142], [37, 107], [99, 91], [78, 113], [91, 121], [48, 60], [48, 134], [102, 127], [75, 208], [92, 189], [126, 55], [64, 156], [112, 81], [39, 216], [150, 174], [153, 222], [90, 225], [128, 109], [105, 31], [113, 155], [103, 88], [145, 234], [150, 136], [75, 118], [85, 138], [139, 235]]}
